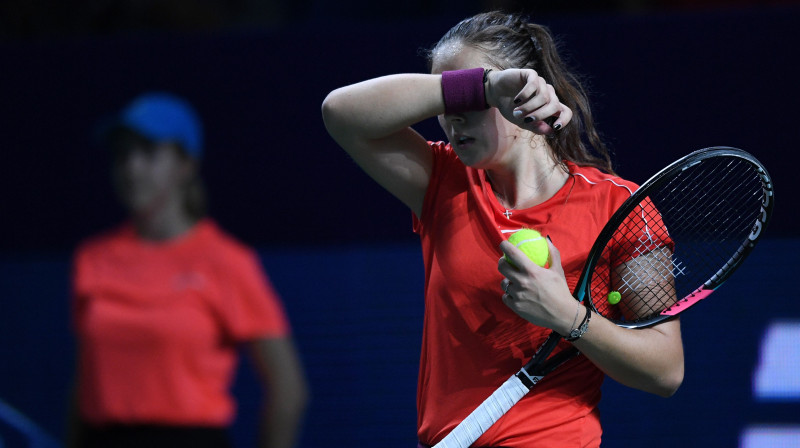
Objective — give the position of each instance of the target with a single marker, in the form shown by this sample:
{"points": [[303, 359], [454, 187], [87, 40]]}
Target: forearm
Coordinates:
{"points": [[281, 421], [380, 107], [649, 359], [286, 391]]}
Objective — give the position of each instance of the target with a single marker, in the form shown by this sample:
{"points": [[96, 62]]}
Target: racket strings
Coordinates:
{"points": [[737, 182], [728, 216], [677, 238], [728, 209]]}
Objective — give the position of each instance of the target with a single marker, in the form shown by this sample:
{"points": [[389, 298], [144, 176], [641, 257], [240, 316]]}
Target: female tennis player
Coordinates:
{"points": [[163, 304], [523, 152]]}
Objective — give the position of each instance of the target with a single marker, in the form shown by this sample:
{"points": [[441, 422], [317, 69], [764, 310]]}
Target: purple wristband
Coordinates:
{"points": [[463, 91]]}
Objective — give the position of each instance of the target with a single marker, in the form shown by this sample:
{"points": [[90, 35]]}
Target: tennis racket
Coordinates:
{"points": [[715, 203]]}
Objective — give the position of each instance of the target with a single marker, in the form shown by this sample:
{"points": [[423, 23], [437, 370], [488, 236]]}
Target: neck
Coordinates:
{"points": [[165, 222], [531, 178]]}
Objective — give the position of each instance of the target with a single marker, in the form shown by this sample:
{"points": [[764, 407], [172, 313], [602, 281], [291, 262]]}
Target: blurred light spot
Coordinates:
{"points": [[770, 437], [776, 377]]}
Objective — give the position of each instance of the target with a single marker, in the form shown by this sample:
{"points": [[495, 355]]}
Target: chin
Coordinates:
{"points": [[137, 205], [466, 161], [467, 157], [472, 162]]}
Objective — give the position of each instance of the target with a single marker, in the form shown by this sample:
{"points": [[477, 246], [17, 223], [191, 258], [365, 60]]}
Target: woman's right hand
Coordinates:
{"points": [[526, 99]]}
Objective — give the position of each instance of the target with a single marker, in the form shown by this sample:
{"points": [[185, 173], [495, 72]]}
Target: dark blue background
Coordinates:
{"points": [[339, 249], [662, 86]]}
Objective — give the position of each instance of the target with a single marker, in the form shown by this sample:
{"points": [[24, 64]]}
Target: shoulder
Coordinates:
{"points": [[102, 242], [446, 164], [603, 191], [220, 242], [593, 179]]}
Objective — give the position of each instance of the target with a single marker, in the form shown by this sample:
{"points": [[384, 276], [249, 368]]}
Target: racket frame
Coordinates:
{"points": [[655, 182]]}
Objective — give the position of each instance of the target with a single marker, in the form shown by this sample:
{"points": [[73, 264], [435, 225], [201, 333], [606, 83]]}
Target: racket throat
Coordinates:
{"points": [[528, 380]]}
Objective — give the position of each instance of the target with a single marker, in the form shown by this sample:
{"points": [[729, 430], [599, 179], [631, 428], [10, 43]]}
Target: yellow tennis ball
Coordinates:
{"points": [[614, 297], [532, 244]]}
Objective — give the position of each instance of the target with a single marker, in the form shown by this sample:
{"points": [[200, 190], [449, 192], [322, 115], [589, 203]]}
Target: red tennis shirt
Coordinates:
{"points": [[158, 325], [471, 341]]}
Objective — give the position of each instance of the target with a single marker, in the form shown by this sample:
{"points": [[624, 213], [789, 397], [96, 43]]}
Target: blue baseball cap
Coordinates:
{"points": [[163, 117]]}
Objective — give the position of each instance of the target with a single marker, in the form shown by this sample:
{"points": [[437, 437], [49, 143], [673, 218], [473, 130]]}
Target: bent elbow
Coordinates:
{"points": [[332, 109], [328, 105], [668, 390], [669, 384], [289, 399]]}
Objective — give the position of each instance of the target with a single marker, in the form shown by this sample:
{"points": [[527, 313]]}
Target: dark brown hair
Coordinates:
{"points": [[195, 199], [511, 41]]}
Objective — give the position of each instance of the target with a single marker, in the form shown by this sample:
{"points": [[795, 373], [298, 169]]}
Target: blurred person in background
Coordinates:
{"points": [[163, 303]]}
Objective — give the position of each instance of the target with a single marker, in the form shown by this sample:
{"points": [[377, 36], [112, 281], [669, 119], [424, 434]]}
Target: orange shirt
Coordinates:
{"points": [[472, 342], [158, 325]]}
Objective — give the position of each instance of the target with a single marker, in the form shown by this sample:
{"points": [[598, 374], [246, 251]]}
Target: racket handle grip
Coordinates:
{"points": [[482, 418]]}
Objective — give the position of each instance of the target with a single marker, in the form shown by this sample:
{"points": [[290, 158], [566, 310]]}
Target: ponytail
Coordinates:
{"points": [[568, 143]]}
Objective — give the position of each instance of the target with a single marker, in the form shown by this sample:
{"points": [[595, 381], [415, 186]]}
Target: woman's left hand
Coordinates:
{"points": [[539, 295]]}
